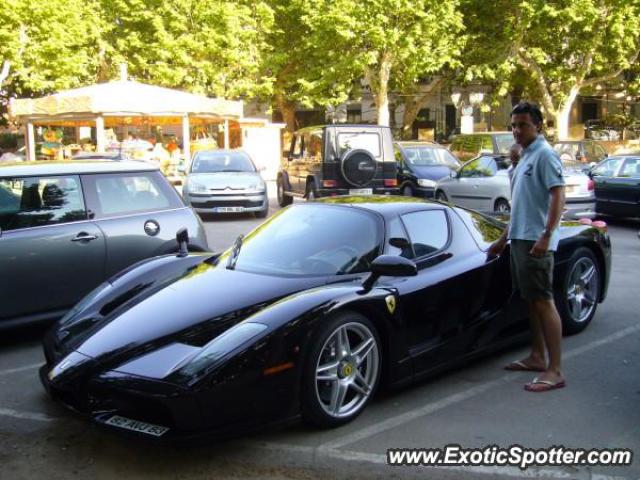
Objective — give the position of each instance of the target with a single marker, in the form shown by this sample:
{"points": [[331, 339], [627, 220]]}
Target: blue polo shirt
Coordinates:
{"points": [[539, 170]]}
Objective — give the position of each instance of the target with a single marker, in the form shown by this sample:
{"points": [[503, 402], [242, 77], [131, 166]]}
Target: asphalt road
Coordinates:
{"points": [[474, 406]]}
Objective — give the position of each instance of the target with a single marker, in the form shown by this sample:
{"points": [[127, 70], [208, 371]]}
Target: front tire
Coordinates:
{"points": [[310, 193], [283, 199], [441, 196], [578, 291], [342, 371], [407, 191]]}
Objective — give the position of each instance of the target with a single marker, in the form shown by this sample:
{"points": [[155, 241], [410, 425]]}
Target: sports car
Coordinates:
{"points": [[307, 316]]}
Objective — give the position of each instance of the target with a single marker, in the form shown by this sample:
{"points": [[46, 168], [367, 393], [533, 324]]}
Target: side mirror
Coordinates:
{"points": [[182, 237], [392, 266], [453, 174]]}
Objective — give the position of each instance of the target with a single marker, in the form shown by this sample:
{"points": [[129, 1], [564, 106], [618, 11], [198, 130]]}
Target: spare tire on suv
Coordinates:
{"points": [[358, 167]]}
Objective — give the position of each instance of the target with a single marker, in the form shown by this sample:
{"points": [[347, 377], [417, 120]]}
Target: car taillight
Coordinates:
{"points": [[600, 225], [590, 185], [329, 183], [391, 182]]}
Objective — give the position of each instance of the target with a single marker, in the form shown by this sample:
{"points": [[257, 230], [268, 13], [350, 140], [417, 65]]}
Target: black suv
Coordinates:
{"points": [[338, 160]]}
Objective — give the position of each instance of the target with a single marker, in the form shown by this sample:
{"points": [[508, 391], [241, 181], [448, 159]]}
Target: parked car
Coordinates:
{"points": [[467, 146], [86, 156], [597, 129], [338, 160], [483, 184], [303, 316], [65, 227], [617, 186], [421, 165], [225, 181], [585, 151]]}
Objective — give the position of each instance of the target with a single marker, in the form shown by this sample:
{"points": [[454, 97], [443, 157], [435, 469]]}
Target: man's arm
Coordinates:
{"points": [[556, 207]]}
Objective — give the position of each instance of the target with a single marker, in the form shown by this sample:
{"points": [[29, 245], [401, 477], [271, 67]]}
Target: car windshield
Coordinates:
{"points": [[212, 162], [566, 150], [307, 240], [504, 142], [423, 156]]}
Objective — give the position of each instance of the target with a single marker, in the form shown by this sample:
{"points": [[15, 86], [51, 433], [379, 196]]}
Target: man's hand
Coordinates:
{"points": [[540, 248], [497, 247]]}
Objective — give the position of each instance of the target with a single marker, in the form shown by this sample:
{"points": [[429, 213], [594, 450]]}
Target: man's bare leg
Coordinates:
{"points": [[551, 329]]}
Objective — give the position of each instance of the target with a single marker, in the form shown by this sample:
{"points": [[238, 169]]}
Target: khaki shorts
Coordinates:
{"points": [[532, 276]]}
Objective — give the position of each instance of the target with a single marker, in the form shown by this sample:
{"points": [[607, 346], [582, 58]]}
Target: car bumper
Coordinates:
{"points": [[425, 192], [333, 192], [228, 203]]}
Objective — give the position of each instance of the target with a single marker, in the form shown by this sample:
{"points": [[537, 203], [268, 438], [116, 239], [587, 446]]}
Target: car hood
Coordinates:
{"points": [[193, 309], [432, 172], [223, 180]]}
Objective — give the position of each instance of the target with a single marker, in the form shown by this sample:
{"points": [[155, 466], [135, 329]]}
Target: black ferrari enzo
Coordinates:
{"points": [[307, 315]]}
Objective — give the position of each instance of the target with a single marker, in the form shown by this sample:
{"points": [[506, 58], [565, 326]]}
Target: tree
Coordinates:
{"points": [[562, 46], [212, 47], [393, 44]]}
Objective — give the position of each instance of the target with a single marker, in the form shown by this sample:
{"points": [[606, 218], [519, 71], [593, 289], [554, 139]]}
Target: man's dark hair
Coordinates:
{"points": [[530, 108]]}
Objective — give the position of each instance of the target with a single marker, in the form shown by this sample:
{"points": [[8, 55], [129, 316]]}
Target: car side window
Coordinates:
{"points": [[631, 168], [608, 168], [480, 167], [487, 144], [37, 201], [396, 230], [131, 192], [313, 143], [297, 150], [428, 231]]}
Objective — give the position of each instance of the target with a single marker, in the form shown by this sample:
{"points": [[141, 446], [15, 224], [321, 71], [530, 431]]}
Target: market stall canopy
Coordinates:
{"points": [[122, 98]]}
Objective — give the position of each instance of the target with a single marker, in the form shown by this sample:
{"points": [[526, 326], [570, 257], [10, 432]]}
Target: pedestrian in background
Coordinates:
{"points": [[537, 202]]}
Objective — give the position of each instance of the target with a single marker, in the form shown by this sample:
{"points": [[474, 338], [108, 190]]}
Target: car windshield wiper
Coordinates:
{"points": [[233, 258]]}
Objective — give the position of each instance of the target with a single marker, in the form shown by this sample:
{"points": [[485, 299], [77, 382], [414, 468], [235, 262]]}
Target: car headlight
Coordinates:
{"points": [[196, 187], [258, 187], [425, 182], [220, 346]]}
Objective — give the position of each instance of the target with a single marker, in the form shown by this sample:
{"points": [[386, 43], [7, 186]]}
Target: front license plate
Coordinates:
{"points": [[361, 191], [137, 426], [229, 209]]}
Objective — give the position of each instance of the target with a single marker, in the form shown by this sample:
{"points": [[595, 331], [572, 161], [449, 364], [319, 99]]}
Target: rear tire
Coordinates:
{"points": [[502, 206], [283, 199], [578, 291], [310, 193], [347, 353]]}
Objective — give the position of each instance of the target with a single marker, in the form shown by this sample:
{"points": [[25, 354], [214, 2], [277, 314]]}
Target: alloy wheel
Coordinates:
{"points": [[582, 289]]}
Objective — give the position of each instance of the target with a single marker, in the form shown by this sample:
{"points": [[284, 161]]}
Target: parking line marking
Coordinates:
{"points": [[407, 417], [20, 369], [380, 459], [40, 417]]}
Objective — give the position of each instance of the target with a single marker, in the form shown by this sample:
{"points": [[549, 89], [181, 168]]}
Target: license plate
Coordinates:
{"points": [[137, 426], [229, 209], [361, 191], [570, 188]]}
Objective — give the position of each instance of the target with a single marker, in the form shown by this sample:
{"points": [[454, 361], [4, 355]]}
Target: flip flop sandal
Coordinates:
{"points": [[543, 385], [519, 366]]}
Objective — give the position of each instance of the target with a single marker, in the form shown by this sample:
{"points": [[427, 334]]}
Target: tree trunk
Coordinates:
{"points": [[562, 115], [379, 83], [5, 71], [414, 105], [287, 109]]}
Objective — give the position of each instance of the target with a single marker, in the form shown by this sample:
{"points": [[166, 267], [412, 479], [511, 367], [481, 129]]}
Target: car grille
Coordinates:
{"points": [[222, 203]]}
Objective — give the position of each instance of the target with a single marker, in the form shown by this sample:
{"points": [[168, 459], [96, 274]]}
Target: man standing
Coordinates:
{"points": [[537, 202]]}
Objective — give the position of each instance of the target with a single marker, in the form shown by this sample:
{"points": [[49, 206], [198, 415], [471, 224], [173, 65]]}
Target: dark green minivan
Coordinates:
{"points": [[65, 227]]}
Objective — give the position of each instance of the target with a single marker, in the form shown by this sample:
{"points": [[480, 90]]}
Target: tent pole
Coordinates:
{"points": [[186, 138], [100, 143], [31, 142]]}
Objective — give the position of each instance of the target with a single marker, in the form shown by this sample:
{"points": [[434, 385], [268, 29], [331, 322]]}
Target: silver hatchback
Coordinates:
{"points": [[483, 184], [225, 181], [65, 227]]}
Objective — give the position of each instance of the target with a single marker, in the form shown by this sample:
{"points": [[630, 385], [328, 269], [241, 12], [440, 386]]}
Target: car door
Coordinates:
{"points": [[605, 188], [465, 190], [626, 198], [440, 301], [52, 253], [139, 214], [310, 159]]}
